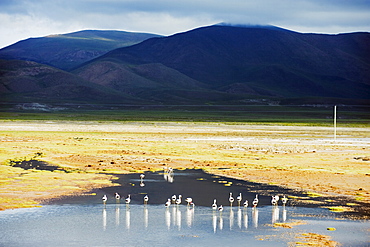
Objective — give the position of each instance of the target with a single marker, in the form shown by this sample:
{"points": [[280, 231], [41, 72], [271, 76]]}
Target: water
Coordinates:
{"points": [[86, 221]]}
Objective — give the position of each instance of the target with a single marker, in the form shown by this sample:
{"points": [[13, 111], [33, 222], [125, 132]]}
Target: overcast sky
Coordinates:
{"points": [[22, 19]]}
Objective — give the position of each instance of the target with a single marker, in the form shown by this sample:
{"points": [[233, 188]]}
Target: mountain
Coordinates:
{"points": [[27, 81], [244, 62], [66, 51], [218, 64]]}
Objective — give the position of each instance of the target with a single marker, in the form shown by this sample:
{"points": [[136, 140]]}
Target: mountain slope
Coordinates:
{"points": [[210, 65], [33, 82], [67, 51], [260, 61]]}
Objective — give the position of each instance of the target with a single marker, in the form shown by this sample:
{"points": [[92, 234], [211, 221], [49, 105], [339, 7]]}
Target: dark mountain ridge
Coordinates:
{"points": [[219, 64], [66, 51], [257, 61]]}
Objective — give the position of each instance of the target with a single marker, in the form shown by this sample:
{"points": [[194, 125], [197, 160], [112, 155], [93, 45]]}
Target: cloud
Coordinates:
{"points": [[31, 18]]}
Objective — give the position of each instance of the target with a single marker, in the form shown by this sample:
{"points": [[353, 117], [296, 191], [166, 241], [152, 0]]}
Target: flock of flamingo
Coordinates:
{"points": [[177, 200]]}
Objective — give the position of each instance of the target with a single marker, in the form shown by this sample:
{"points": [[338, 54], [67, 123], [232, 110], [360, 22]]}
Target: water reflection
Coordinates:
{"points": [[275, 215], [245, 220], [178, 218], [128, 218], [214, 221], [238, 219], [284, 214], [231, 218], [169, 177], [117, 215], [104, 218], [130, 226], [146, 217], [189, 216], [173, 217], [255, 217], [168, 218]]}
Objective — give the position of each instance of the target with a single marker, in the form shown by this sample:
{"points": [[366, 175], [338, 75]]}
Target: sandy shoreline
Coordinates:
{"points": [[302, 157]]}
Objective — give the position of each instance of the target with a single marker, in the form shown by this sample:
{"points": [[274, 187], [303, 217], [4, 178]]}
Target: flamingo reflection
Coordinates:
{"points": [[117, 215], [284, 214], [246, 220], [255, 217], [275, 215], [146, 217], [128, 218], [231, 218], [189, 216], [221, 223], [214, 221], [239, 218], [178, 218], [104, 218], [167, 216]]}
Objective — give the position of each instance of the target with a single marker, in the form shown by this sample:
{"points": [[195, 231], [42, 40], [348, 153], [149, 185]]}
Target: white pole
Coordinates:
{"points": [[335, 123]]}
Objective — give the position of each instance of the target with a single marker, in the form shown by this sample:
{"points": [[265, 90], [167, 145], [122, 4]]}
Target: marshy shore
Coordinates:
{"points": [[88, 153]]}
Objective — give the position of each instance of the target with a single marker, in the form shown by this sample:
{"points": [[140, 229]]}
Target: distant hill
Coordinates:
{"points": [[27, 81], [219, 64], [237, 63], [66, 51]]}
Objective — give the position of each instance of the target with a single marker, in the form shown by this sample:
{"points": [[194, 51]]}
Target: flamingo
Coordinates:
{"points": [[284, 200], [104, 198], [214, 205], [128, 199], [189, 200], [255, 201], [276, 198], [273, 201], [142, 176], [178, 200], [117, 196], [220, 209], [231, 199], [173, 198], [168, 203], [239, 199], [146, 199], [246, 203]]}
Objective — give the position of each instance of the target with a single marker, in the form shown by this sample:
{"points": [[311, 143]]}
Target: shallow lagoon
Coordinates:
{"points": [[86, 221]]}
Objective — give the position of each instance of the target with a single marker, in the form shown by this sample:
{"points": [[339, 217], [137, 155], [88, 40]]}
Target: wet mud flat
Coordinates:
{"points": [[36, 164]]}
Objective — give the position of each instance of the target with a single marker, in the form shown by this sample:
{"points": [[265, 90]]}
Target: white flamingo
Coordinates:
{"points": [[231, 199], [142, 176], [255, 201], [214, 205], [117, 196], [173, 198], [273, 201], [246, 203], [284, 200], [168, 203], [128, 199], [239, 199], [189, 200], [146, 199], [178, 200], [104, 198], [220, 209]]}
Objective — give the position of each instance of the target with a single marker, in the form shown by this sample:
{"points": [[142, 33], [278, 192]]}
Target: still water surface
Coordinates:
{"points": [[86, 221]]}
